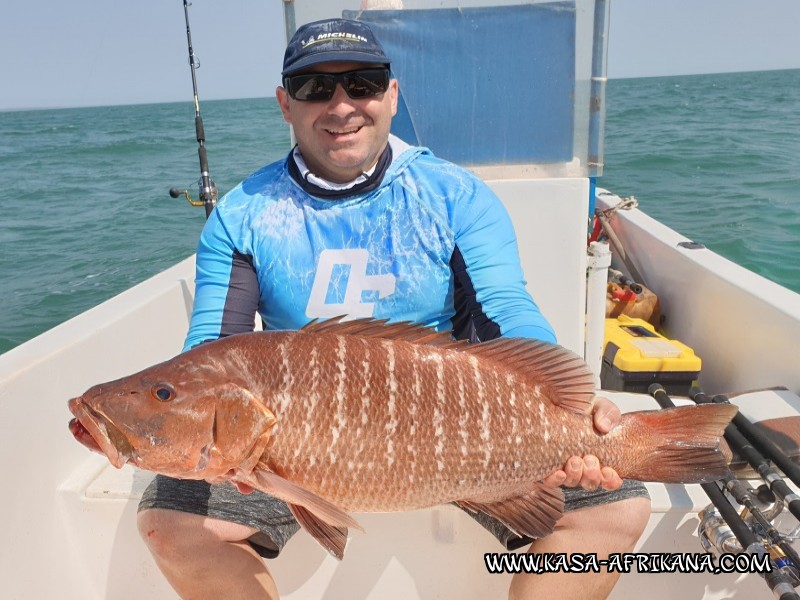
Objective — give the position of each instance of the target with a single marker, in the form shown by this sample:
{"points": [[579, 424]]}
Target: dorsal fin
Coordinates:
{"points": [[565, 374], [561, 372]]}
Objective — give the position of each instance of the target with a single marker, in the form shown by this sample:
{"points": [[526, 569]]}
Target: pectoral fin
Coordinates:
{"points": [[333, 539], [532, 515], [326, 522]]}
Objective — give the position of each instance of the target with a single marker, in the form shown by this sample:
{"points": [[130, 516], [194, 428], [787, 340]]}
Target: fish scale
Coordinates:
{"points": [[453, 382], [366, 416]]}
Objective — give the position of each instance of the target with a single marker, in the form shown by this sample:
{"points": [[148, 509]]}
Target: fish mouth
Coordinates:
{"points": [[98, 434]]}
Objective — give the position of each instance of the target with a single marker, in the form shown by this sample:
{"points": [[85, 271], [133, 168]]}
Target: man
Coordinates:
{"points": [[357, 222]]}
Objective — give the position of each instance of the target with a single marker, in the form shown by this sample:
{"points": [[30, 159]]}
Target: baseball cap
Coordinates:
{"points": [[332, 40]]}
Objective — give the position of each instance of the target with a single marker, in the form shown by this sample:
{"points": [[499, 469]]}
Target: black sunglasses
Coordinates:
{"points": [[317, 87]]}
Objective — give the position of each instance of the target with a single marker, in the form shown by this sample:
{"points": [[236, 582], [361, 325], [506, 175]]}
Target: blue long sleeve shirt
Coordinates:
{"points": [[431, 244]]}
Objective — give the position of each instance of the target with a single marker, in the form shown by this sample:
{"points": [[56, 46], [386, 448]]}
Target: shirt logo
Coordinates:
{"points": [[340, 285]]}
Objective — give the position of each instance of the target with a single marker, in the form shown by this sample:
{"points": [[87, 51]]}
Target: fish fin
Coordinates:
{"points": [[533, 515], [247, 421], [568, 380], [333, 539], [273, 484], [382, 329], [677, 445]]}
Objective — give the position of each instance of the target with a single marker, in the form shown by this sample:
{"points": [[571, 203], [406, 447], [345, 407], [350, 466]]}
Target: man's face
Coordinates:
{"points": [[342, 137]]}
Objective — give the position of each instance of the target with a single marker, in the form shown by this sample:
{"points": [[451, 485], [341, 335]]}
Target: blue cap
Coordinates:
{"points": [[332, 40]]}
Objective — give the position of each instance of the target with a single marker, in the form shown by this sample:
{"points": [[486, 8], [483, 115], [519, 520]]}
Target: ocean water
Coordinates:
{"points": [[86, 214], [717, 158]]}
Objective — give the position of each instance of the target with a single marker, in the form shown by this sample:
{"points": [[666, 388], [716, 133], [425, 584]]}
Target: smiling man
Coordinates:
{"points": [[356, 222], [341, 139]]}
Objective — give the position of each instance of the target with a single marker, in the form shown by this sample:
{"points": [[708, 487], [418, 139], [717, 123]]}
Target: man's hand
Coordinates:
{"points": [[587, 471]]}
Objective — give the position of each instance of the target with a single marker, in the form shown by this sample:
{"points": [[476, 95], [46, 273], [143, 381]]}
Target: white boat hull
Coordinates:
{"points": [[70, 528]]}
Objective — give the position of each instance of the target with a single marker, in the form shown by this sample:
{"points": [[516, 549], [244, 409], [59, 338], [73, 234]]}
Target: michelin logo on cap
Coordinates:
{"points": [[340, 35], [332, 40]]}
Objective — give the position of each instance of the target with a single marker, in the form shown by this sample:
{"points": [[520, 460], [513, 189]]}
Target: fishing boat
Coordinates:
{"points": [[524, 109]]}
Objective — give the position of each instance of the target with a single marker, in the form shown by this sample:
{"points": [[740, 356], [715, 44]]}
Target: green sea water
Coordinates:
{"points": [[85, 210], [717, 158]]}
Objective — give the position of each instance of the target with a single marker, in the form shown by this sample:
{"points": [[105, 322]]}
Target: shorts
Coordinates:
{"points": [[276, 524]]}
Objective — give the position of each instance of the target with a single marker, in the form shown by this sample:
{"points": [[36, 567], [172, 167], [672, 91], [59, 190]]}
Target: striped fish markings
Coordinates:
{"points": [[364, 416]]}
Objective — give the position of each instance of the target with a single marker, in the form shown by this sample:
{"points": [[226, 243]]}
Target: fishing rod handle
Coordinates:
{"points": [[199, 129], [743, 495], [763, 444], [779, 487], [743, 533], [746, 538], [657, 391], [780, 585]]}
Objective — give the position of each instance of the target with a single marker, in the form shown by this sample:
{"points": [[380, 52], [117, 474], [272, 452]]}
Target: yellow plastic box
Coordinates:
{"points": [[636, 356]]}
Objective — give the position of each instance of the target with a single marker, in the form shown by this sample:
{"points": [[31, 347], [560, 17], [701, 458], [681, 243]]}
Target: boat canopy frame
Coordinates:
{"points": [[493, 85]]}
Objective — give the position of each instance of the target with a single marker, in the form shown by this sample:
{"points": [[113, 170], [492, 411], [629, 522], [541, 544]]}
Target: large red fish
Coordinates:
{"points": [[368, 417]]}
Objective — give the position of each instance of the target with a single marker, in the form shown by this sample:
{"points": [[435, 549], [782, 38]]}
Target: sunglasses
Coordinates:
{"points": [[318, 87]]}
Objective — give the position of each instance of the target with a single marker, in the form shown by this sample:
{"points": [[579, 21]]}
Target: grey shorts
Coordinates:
{"points": [[276, 524]]}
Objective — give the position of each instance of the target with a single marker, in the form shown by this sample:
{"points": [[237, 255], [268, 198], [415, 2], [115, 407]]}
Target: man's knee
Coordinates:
{"points": [[168, 533], [634, 513], [621, 523], [164, 531], [628, 519]]}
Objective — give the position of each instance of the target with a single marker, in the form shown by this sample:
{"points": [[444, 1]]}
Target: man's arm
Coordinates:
{"points": [[488, 273], [226, 287], [489, 262]]}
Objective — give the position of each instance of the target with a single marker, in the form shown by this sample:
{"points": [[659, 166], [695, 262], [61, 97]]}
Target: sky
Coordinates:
{"points": [[57, 54]]}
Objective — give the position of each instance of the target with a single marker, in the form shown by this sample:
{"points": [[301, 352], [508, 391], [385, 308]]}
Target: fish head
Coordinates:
{"points": [[183, 418]]}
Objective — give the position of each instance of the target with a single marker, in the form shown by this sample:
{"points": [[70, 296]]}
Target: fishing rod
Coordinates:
{"points": [[778, 579], [763, 444], [747, 450], [743, 495], [744, 446], [208, 191]]}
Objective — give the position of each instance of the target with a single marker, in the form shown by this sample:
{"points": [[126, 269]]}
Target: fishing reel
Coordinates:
{"points": [[717, 537], [211, 195], [754, 532]]}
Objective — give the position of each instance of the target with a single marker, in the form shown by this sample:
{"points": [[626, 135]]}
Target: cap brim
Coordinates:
{"points": [[343, 56]]}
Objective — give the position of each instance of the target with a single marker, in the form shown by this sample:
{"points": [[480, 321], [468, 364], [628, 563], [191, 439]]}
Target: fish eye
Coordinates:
{"points": [[162, 392]]}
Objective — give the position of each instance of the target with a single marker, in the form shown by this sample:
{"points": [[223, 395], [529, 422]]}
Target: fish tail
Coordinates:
{"points": [[676, 445]]}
